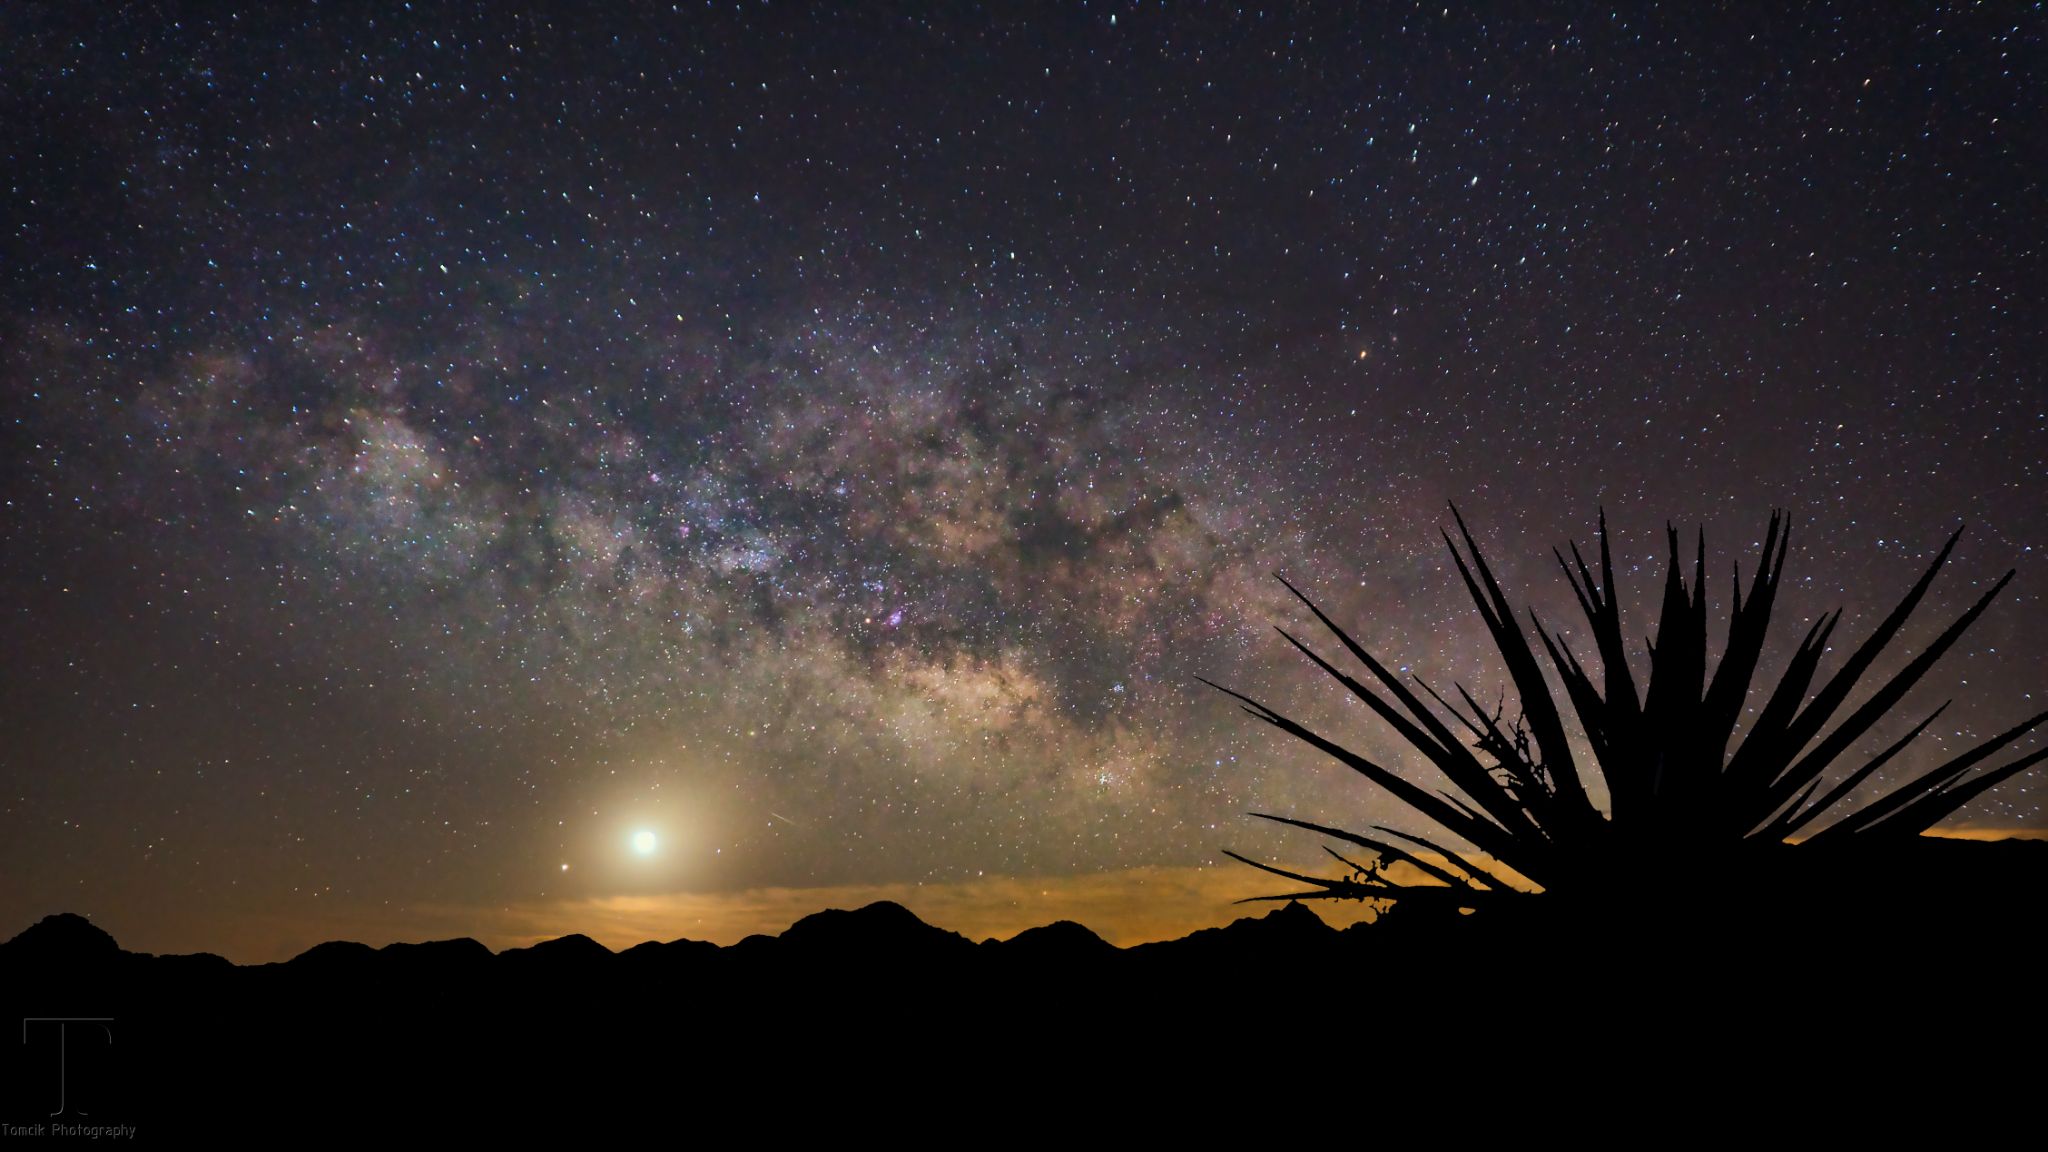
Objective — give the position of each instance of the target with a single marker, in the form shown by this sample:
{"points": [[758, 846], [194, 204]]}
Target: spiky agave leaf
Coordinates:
{"points": [[1674, 786]]}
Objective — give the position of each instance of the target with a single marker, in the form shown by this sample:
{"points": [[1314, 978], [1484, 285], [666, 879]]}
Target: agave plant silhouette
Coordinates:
{"points": [[1682, 807]]}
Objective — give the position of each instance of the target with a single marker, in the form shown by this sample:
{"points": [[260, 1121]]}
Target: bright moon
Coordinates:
{"points": [[644, 843]]}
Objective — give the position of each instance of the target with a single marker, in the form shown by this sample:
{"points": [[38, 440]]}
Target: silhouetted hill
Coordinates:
{"points": [[654, 954], [1291, 925], [880, 929], [754, 947], [568, 954], [65, 938], [333, 954], [192, 965], [1061, 941], [436, 959]]}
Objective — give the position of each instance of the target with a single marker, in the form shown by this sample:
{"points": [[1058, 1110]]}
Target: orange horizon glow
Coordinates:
{"points": [[1128, 907]]}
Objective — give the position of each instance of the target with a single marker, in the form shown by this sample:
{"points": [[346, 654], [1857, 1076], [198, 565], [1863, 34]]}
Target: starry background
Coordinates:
{"points": [[440, 442]]}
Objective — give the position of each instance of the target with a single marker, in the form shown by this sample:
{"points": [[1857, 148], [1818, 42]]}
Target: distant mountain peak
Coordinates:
{"points": [[573, 942], [1295, 914], [575, 949], [882, 924], [64, 936], [1061, 935]]}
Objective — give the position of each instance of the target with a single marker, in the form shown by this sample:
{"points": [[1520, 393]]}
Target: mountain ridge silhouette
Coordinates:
{"points": [[880, 929], [862, 1005], [70, 939]]}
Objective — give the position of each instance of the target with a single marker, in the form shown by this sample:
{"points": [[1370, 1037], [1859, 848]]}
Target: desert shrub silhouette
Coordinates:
{"points": [[1688, 806]]}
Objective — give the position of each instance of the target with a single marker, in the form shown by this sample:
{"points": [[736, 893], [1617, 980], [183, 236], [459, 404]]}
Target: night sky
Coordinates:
{"points": [[444, 445]]}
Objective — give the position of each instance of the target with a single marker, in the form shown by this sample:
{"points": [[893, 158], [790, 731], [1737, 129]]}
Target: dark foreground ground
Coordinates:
{"points": [[1915, 995]]}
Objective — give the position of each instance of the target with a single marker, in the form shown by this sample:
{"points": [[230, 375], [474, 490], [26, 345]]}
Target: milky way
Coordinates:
{"points": [[442, 444]]}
